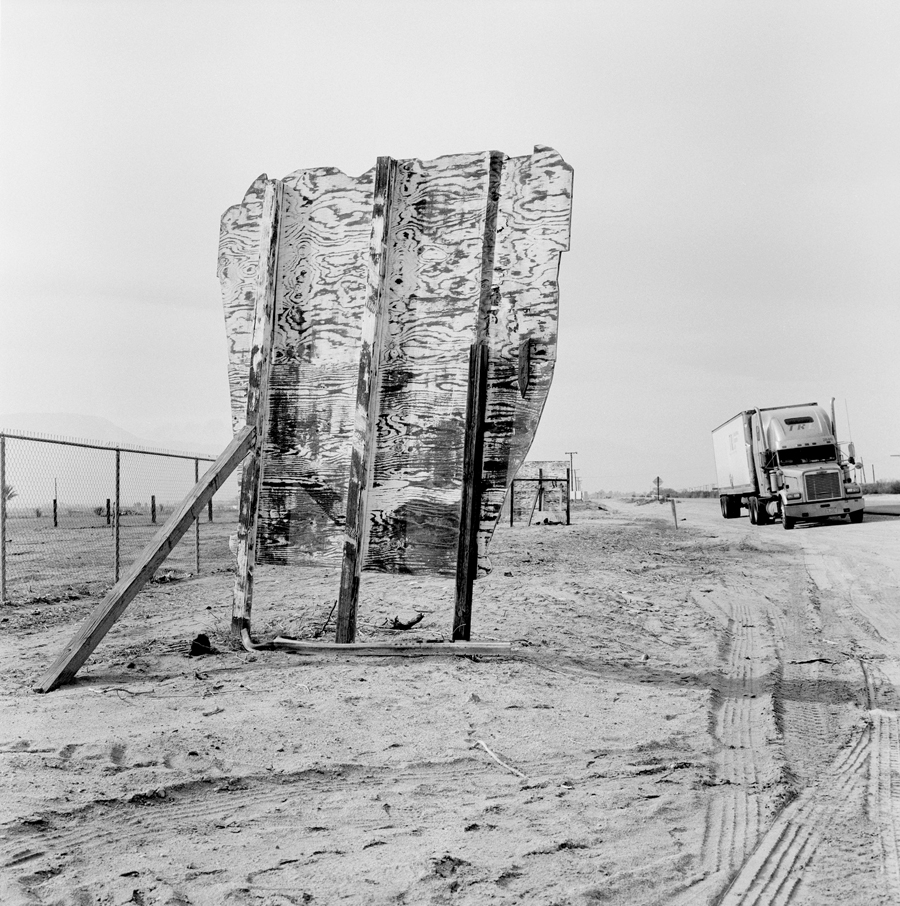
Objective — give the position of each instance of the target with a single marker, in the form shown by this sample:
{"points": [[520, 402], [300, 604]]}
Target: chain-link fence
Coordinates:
{"points": [[75, 514]]}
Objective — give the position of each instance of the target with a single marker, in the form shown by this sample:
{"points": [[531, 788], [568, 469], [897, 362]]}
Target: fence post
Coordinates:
{"points": [[2, 518], [107, 511], [197, 523], [153, 508], [116, 511], [540, 493], [568, 496], [512, 501], [209, 511]]}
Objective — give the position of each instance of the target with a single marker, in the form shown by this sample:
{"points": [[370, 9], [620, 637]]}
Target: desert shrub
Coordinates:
{"points": [[38, 512]]}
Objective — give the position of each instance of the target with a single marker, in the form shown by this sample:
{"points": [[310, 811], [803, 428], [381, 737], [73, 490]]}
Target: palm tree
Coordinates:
{"points": [[9, 492]]}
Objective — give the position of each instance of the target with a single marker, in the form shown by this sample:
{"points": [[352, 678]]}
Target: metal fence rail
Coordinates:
{"points": [[74, 514]]}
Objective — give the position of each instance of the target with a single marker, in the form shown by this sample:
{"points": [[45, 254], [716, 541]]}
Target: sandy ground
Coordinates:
{"points": [[693, 715]]}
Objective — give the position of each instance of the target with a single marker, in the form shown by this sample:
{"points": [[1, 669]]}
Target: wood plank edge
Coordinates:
{"points": [[459, 649], [92, 630]]}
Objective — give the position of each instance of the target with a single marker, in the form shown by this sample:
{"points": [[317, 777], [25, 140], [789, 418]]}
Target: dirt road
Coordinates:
{"points": [[697, 715]]}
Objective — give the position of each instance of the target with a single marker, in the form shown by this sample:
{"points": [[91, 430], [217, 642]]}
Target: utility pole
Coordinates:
{"points": [[572, 489], [658, 482]]}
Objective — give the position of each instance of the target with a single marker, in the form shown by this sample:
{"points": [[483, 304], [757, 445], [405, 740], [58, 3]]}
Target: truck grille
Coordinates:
{"points": [[823, 486]]}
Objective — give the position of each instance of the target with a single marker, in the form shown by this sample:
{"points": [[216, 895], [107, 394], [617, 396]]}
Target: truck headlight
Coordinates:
{"points": [[794, 496]]}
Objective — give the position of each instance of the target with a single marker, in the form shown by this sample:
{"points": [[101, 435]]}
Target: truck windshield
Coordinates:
{"points": [[800, 455]]}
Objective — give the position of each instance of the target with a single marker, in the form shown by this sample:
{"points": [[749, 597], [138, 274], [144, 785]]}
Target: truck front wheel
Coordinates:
{"points": [[787, 522], [857, 517]]}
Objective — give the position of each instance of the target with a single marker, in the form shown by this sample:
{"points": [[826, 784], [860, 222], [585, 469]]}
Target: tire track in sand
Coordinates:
{"points": [[772, 874], [884, 792], [742, 722], [869, 765]]}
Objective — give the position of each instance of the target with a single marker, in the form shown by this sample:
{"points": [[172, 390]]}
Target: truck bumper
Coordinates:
{"points": [[821, 509]]}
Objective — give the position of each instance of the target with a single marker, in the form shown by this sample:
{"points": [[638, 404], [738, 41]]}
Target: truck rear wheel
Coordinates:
{"points": [[731, 506]]}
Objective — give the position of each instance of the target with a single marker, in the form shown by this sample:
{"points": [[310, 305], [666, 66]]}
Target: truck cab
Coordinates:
{"points": [[801, 473], [795, 468]]}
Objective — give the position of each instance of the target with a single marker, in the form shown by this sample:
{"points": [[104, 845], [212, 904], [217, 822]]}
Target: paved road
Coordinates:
{"points": [[883, 509]]}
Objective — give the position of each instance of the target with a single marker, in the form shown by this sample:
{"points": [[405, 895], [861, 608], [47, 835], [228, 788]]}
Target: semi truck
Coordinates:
{"points": [[785, 463]]}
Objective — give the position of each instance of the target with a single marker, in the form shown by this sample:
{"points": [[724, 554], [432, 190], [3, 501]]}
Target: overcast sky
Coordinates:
{"points": [[736, 227]]}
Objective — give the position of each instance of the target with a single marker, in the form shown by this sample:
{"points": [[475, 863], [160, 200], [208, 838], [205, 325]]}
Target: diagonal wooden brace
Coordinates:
{"points": [[125, 590]]}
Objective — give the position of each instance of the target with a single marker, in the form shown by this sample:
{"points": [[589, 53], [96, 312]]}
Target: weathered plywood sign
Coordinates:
{"points": [[383, 284], [541, 485], [546, 469]]}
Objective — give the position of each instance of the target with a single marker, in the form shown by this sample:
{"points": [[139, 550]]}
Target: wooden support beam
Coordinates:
{"points": [[476, 406], [534, 503], [408, 649], [362, 456], [124, 591], [257, 405], [467, 558]]}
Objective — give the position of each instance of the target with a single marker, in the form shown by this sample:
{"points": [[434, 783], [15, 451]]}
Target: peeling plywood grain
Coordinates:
{"points": [[442, 294], [321, 299], [533, 228]]}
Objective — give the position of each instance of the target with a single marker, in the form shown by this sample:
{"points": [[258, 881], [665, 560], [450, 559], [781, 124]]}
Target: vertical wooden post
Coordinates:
{"points": [[467, 557], [209, 515], [257, 405], [540, 498], [55, 514], [2, 518], [476, 406], [674, 511], [512, 501], [197, 524], [568, 496], [153, 508], [116, 511], [108, 512], [362, 456]]}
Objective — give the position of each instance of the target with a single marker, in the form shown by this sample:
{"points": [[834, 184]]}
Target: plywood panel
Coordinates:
{"points": [[239, 237], [472, 252], [321, 297], [533, 228], [434, 292]]}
